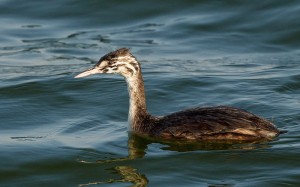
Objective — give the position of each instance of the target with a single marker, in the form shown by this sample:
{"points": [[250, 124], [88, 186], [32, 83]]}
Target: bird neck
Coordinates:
{"points": [[137, 105]]}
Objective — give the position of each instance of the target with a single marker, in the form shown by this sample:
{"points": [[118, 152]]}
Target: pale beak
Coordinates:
{"points": [[88, 72]]}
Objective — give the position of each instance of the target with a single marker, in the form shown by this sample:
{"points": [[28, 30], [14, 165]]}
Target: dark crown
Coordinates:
{"points": [[115, 54]]}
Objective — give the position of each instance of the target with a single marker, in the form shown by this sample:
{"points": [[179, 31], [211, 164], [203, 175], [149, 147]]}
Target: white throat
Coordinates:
{"points": [[137, 103]]}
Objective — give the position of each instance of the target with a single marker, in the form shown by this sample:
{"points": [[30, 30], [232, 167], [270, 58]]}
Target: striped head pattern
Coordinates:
{"points": [[120, 61]]}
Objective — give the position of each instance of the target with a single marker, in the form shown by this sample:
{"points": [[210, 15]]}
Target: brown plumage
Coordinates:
{"points": [[210, 123]]}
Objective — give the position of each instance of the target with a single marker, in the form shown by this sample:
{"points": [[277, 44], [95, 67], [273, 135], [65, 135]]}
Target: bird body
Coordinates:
{"points": [[210, 123]]}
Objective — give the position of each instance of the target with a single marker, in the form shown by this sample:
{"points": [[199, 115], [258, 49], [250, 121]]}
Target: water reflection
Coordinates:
{"points": [[137, 149], [128, 174], [138, 144]]}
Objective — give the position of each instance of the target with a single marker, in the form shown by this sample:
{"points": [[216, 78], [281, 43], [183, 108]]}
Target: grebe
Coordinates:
{"points": [[210, 123]]}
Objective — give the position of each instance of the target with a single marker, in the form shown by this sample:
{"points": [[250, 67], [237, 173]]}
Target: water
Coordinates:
{"points": [[59, 131]]}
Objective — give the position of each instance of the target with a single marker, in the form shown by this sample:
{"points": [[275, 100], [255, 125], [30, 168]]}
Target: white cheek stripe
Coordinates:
{"points": [[125, 64], [124, 67]]}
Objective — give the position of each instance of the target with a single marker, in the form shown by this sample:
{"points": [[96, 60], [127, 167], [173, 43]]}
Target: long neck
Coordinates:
{"points": [[137, 104]]}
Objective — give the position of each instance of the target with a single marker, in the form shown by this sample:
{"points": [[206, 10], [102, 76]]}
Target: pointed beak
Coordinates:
{"points": [[88, 72]]}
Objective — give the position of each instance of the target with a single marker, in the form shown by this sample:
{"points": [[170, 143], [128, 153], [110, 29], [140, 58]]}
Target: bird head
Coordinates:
{"points": [[120, 62]]}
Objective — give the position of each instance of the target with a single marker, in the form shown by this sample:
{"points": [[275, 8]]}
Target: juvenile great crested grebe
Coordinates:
{"points": [[210, 123]]}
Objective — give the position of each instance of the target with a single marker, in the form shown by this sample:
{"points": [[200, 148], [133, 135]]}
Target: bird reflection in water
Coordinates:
{"points": [[137, 146], [128, 175]]}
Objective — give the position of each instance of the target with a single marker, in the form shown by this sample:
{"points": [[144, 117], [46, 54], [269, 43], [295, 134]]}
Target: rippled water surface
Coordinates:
{"points": [[59, 131]]}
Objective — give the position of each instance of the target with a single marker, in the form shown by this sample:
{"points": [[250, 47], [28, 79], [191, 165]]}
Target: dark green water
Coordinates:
{"points": [[59, 131]]}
